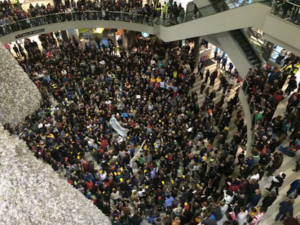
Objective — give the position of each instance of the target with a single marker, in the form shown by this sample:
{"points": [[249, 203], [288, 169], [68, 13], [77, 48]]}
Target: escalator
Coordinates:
{"points": [[246, 46], [239, 36]]}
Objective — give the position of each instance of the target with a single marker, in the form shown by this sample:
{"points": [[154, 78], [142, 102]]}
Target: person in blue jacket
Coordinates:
{"points": [[286, 209], [294, 187]]}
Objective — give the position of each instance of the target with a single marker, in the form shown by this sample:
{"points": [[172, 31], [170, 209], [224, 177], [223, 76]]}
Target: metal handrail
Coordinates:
{"points": [[250, 29], [294, 9], [134, 17]]}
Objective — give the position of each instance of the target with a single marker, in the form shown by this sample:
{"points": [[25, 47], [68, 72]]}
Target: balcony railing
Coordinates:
{"points": [[132, 17], [286, 10], [291, 13]]}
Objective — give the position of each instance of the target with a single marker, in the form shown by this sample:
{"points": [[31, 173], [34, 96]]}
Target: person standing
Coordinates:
{"points": [[286, 209], [164, 11], [294, 190], [242, 216], [255, 198], [258, 217], [219, 58], [277, 160], [277, 182], [202, 88], [297, 166], [213, 76], [269, 200], [289, 220], [207, 75], [224, 63], [16, 50]]}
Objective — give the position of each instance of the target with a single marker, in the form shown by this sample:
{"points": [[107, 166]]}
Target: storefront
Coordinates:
{"points": [[209, 51]]}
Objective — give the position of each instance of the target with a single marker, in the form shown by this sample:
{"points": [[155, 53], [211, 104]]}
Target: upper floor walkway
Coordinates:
{"points": [[207, 21]]}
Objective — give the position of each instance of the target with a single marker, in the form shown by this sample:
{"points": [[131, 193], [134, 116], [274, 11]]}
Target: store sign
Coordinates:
{"points": [[205, 55], [145, 34], [30, 33]]}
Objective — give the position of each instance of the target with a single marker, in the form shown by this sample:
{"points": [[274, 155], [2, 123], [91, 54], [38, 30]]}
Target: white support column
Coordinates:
{"points": [[240, 61]]}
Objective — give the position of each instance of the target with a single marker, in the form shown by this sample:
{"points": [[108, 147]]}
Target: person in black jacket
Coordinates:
{"points": [[277, 160], [216, 211], [268, 200], [255, 198], [277, 182], [291, 85], [286, 7], [285, 209]]}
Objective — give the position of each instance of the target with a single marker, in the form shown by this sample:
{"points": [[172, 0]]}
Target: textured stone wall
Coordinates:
{"points": [[32, 193], [19, 96]]}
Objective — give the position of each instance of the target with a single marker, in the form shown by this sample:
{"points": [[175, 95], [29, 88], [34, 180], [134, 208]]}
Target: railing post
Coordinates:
{"points": [[20, 27]]}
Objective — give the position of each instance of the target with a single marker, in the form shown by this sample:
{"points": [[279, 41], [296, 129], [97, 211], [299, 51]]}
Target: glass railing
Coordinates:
{"points": [[75, 16], [133, 17], [252, 37], [257, 43], [238, 3], [216, 6], [287, 10]]}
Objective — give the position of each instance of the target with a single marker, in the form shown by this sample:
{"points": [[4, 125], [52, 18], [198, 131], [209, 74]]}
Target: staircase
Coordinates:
{"points": [[246, 46]]}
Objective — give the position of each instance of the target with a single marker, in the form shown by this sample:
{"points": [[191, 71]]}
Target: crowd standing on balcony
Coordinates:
{"points": [[39, 14], [17, 18]]}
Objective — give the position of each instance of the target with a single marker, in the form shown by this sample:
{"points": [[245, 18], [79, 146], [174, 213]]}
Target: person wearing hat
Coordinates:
{"points": [[277, 182]]}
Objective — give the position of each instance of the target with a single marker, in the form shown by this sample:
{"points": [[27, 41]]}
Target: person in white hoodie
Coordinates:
{"points": [[228, 197]]}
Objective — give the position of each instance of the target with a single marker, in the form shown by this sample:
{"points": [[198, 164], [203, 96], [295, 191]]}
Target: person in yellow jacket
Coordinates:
{"points": [[296, 68], [288, 67], [164, 10]]}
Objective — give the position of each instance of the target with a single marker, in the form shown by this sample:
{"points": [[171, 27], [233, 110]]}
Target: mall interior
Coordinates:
{"points": [[150, 112]]}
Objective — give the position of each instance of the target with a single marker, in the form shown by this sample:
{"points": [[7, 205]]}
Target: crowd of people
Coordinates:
{"points": [[176, 164], [12, 20]]}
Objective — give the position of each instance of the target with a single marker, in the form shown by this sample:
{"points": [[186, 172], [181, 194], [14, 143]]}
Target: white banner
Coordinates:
{"points": [[137, 154], [117, 127]]}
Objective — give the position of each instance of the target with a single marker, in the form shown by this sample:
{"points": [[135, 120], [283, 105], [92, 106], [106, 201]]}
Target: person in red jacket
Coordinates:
{"points": [[278, 95], [89, 184]]}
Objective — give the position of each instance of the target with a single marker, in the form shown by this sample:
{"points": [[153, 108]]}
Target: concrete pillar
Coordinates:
{"points": [[239, 60], [196, 50], [64, 35]]}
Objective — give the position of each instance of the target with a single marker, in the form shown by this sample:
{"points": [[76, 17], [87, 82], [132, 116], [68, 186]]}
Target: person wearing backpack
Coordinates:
{"points": [[277, 182]]}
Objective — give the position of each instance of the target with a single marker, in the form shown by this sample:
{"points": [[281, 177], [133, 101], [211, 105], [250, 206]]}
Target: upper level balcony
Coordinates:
{"points": [[220, 16]]}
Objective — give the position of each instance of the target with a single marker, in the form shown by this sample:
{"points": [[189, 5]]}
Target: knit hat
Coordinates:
{"points": [[283, 175]]}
